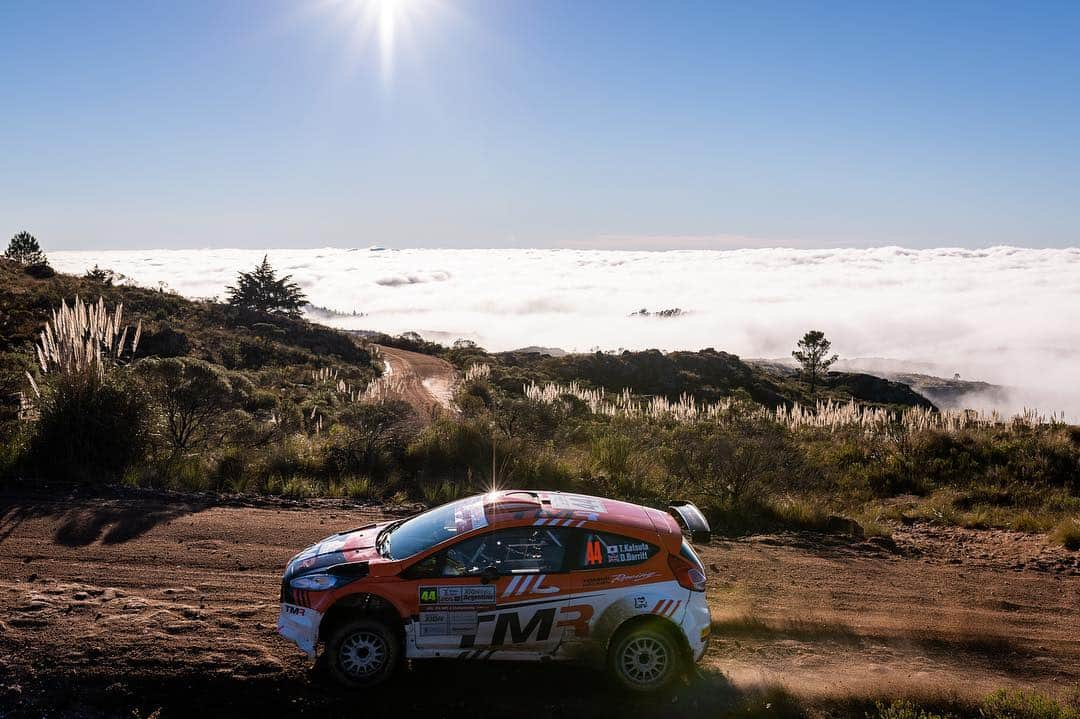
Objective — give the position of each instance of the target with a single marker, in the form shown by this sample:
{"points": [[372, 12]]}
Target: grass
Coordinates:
{"points": [[358, 488], [827, 415], [84, 337], [1001, 704], [1051, 511], [1067, 533], [441, 492]]}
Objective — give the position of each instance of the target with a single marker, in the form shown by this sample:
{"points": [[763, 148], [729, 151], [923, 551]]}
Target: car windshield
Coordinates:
{"points": [[433, 527]]}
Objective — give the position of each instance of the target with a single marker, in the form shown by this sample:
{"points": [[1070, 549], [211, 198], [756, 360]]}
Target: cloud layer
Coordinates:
{"points": [[1004, 315]]}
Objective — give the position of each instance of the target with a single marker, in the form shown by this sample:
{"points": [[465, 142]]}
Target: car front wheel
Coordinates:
{"points": [[645, 658], [362, 653]]}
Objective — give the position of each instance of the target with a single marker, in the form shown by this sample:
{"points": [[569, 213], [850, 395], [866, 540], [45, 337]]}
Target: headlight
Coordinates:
{"points": [[318, 582]]}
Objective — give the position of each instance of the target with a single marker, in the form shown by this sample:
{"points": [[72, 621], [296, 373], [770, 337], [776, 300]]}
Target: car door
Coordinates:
{"points": [[610, 578], [497, 592]]}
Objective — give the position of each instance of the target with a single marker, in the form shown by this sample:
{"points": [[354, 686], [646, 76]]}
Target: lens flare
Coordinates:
{"points": [[381, 25]]}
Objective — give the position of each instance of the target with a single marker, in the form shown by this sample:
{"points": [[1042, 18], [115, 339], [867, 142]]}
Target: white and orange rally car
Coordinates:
{"points": [[516, 575]]}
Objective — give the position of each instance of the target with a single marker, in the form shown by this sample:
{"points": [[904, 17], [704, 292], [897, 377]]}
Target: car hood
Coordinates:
{"points": [[354, 545]]}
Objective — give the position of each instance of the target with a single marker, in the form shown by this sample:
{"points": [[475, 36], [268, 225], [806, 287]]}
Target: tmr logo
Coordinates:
{"points": [[574, 617], [290, 609], [541, 623]]}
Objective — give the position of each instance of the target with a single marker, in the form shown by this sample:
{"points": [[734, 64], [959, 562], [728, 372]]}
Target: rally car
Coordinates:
{"points": [[514, 575]]}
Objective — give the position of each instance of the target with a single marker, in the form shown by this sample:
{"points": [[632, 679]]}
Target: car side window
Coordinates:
{"points": [[600, 550], [519, 550]]}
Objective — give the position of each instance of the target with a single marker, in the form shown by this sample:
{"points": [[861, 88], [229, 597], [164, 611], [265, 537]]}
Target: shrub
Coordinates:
{"points": [[230, 472], [369, 439], [358, 488], [453, 450], [188, 474], [1067, 533], [902, 709], [193, 398], [89, 429], [441, 492], [1020, 704], [40, 271], [10, 457]]}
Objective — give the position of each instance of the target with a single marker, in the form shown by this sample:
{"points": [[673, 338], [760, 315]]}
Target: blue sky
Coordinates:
{"points": [[540, 124]]}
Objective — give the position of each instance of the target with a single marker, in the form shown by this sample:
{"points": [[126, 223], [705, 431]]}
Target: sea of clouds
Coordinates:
{"points": [[1004, 315]]}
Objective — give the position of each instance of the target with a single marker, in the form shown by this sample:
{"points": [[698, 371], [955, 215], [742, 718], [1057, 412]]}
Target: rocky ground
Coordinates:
{"points": [[134, 604]]}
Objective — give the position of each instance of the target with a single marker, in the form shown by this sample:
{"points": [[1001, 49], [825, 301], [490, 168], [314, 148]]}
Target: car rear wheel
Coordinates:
{"points": [[645, 658], [362, 653]]}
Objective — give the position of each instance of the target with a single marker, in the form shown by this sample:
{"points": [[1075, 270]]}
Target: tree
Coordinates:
{"points": [[25, 250], [263, 291], [195, 399], [100, 276], [813, 356]]}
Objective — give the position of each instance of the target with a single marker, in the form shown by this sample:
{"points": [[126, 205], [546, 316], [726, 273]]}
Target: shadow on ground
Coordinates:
{"points": [[83, 522], [429, 689]]}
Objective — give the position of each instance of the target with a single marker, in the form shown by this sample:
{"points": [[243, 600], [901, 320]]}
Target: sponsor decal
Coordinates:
{"points": [[528, 584], [639, 602], [522, 626], [457, 595], [441, 624], [292, 609], [623, 553], [580, 504], [597, 552], [620, 577], [561, 518], [578, 617], [510, 623], [666, 607]]}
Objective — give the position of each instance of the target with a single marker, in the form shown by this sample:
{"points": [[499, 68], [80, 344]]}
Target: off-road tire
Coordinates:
{"points": [[362, 653], [645, 658]]}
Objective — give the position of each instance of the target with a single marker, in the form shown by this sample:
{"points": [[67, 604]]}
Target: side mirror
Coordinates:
{"points": [[489, 574]]}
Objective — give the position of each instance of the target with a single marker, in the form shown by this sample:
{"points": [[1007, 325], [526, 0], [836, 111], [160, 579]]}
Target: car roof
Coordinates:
{"points": [[510, 506]]}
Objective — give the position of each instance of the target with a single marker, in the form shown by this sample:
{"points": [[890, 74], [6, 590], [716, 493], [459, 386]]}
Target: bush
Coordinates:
{"points": [[369, 439], [1019, 704], [10, 457], [902, 709], [229, 473], [194, 399], [441, 492], [1067, 533], [89, 429], [449, 449], [188, 474], [40, 271], [358, 488]]}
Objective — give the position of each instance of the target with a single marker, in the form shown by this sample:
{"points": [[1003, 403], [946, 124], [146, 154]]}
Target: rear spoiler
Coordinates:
{"points": [[691, 521]]}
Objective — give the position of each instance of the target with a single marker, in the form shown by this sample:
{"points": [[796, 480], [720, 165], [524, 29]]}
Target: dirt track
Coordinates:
{"points": [[425, 382], [109, 607]]}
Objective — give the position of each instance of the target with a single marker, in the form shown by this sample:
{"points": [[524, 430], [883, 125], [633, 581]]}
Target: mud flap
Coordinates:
{"points": [[300, 625]]}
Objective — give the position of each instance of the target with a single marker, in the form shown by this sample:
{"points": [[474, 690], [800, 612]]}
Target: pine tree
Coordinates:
{"points": [[263, 291], [813, 357], [25, 250]]}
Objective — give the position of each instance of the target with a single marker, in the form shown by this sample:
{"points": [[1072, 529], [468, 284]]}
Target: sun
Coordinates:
{"points": [[381, 25]]}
